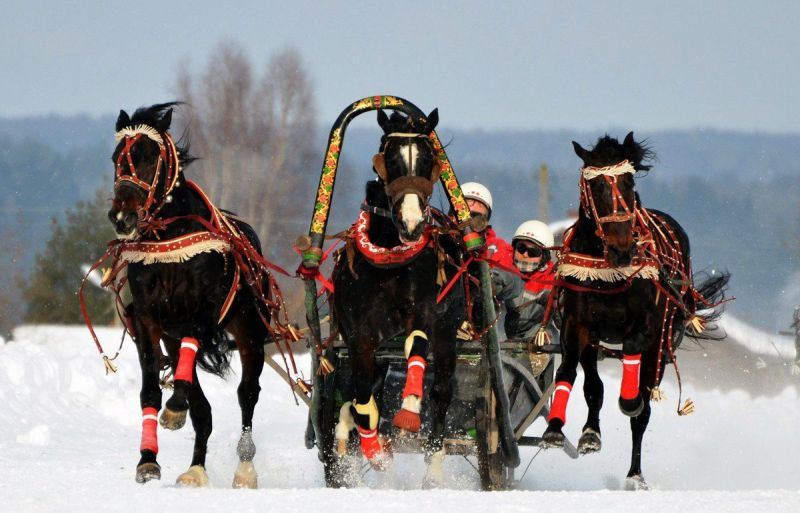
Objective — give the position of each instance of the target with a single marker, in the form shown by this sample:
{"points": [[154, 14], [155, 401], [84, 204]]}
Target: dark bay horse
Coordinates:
{"points": [[629, 282], [185, 297], [375, 301]]}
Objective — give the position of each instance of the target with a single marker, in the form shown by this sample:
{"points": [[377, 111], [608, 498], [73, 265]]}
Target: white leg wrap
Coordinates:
{"points": [[346, 423], [434, 476], [410, 340], [370, 410], [412, 403]]}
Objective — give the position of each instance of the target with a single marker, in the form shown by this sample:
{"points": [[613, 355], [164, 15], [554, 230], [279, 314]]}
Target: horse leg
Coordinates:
{"points": [[147, 337], [366, 414], [571, 337], [416, 351], [635, 480], [631, 402], [441, 395], [251, 352], [593, 393], [200, 413], [174, 415]]}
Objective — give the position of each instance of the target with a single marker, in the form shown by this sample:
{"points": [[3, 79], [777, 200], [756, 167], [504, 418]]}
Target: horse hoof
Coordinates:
{"points": [[589, 442], [434, 476], [552, 440], [407, 421], [631, 407], [195, 477], [147, 472], [172, 420], [636, 483], [245, 476], [381, 461]]}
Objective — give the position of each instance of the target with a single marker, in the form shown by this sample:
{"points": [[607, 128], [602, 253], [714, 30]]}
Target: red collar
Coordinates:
{"points": [[386, 257]]}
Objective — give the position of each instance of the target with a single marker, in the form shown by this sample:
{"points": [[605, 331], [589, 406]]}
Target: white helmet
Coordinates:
{"points": [[535, 231], [476, 191]]}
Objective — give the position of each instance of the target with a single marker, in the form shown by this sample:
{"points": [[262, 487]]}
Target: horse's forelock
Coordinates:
{"points": [[609, 151]]}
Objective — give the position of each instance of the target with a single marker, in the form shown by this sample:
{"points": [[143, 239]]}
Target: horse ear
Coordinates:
{"points": [[166, 121], [379, 165], [383, 120], [433, 120], [629, 142], [580, 152], [122, 120]]}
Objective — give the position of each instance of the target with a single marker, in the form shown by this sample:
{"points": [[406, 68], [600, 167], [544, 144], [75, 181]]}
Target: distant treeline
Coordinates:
{"points": [[736, 194]]}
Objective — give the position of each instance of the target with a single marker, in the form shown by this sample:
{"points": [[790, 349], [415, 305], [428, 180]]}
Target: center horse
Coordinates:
{"points": [[387, 284], [194, 272], [626, 278]]}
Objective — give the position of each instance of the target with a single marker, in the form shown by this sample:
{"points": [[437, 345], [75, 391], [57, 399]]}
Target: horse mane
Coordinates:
{"points": [[154, 116], [609, 151]]}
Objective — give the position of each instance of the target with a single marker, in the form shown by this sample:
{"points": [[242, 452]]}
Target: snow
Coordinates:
{"points": [[69, 440]]}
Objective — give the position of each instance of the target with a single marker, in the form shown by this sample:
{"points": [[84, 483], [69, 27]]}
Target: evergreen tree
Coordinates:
{"points": [[50, 294]]}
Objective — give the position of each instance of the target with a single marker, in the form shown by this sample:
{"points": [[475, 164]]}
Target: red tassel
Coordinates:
{"points": [[149, 433], [415, 376], [630, 376], [186, 357], [407, 421], [560, 399]]}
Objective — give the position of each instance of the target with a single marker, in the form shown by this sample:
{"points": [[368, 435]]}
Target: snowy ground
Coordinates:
{"points": [[69, 440]]}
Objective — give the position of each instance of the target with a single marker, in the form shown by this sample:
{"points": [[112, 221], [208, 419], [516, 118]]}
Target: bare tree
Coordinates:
{"points": [[253, 134]]}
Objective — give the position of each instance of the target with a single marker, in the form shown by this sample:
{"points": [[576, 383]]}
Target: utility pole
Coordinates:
{"points": [[544, 193]]}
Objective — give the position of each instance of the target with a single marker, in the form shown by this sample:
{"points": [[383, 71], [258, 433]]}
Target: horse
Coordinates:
{"points": [[627, 279], [387, 286], [185, 263]]}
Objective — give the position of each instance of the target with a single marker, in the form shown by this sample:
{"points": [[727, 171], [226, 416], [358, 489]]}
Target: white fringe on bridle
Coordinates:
{"points": [[622, 168], [146, 130]]}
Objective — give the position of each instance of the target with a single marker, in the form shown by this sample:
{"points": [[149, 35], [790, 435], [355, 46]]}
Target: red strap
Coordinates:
{"points": [[630, 376], [186, 359], [149, 430], [560, 399], [415, 377]]}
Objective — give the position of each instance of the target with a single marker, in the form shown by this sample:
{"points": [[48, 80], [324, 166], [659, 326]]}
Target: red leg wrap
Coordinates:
{"points": [[415, 376], [370, 445], [630, 376], [149, 433], [185, 370], [560, 399]]}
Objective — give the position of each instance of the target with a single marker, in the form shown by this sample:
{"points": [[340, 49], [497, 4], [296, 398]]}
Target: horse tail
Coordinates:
{"points": [[712, 287], [215, 356]]}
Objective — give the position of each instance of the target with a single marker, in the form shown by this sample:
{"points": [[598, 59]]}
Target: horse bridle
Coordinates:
{"points": [[168, 157], [402, 185], [621, 212]]}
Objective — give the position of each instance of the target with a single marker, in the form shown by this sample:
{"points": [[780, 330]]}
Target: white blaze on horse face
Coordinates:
{"points": [[410, 212], [409, 152]]}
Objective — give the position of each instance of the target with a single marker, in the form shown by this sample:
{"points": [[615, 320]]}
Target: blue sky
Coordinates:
{"points": [[514, 64]]}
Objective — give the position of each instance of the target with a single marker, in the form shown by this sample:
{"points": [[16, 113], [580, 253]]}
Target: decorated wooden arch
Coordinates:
{"points": [[311, 247]]}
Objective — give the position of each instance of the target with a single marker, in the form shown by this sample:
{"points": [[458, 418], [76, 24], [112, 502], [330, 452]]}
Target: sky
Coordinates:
{"points": [[489, 65]]}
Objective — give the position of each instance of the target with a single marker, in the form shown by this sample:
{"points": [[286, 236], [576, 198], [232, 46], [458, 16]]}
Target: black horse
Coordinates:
{"points": [[184, 301], [629, 282], [377, 301]]}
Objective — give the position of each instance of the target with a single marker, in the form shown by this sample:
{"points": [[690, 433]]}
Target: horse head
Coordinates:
{"points": [[608, 194], [407, 166], [146, 167]]}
